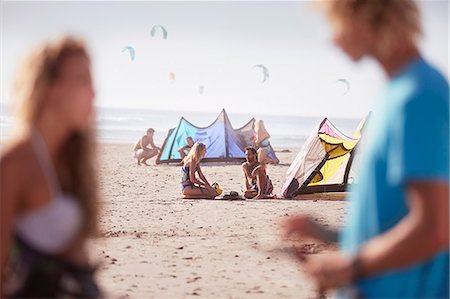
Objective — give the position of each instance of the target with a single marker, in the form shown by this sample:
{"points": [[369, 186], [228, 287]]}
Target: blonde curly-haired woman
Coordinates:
{"points": [[47, 178]]}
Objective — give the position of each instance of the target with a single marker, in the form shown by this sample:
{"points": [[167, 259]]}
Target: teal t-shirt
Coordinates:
{"points": [[407, 139]]}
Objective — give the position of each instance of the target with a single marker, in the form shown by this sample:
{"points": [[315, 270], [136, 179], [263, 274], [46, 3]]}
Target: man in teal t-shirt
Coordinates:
{"points": [[395, 241], [407, 143]]}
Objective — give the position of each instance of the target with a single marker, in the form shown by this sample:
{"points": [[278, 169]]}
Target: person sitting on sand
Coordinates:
{"points": [[141, 151], [191, 186], [257, 182], [184, 150], [261, 140]]}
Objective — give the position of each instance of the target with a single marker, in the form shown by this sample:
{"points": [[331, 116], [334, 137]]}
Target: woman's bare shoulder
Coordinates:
{"points": [[16, 153], [17, 169]]}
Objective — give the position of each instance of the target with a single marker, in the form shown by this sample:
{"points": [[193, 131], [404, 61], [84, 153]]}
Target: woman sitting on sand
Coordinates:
{"points": [[261, 140], [191, 186]]}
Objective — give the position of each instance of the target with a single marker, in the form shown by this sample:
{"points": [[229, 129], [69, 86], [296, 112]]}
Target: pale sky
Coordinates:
{"points": [[215, 45]]}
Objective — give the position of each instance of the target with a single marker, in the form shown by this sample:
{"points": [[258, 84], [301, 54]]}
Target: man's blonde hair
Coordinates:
{"points": [[393, 21]]}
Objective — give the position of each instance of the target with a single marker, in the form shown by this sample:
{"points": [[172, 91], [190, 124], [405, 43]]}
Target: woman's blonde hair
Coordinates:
{"points": [[260, 131], [195, 154], [393, 21], [76, 171]]}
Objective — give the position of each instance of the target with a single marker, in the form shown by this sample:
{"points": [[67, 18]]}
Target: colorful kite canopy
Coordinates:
{"points": [[223, 142], [325, 162]]}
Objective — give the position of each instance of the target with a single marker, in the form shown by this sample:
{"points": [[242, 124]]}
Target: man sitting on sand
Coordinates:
{"points": [[257, 182], [184, 150], [141, 152]]}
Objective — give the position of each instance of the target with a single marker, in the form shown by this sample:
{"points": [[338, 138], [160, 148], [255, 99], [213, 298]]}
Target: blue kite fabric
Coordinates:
{"points": [[223, 143]]}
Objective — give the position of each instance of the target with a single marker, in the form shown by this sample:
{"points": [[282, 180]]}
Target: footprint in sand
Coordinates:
{"points": [[194, 279]]}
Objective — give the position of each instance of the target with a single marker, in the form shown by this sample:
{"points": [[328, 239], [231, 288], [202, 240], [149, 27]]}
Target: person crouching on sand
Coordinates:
{"points": [[257, 182], [191, 186], [141, 151]]}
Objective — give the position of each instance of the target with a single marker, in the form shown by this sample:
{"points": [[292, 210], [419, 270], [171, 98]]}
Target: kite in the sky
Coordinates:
{"points": [[264, 70], [172, 77], [346, 83], [157, 28], [131, 52]]}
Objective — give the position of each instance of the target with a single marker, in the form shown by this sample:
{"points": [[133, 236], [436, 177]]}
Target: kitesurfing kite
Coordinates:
{"points": [[131, 52], [346, 83], [264, 70], [172, 77], [157, 28]]}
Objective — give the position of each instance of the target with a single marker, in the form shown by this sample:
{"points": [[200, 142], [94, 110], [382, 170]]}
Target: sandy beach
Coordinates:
{"points": [[156, 245]]}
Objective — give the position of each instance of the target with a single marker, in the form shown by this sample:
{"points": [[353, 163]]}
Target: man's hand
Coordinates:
{"points": [[329, 271], [304, 227]]}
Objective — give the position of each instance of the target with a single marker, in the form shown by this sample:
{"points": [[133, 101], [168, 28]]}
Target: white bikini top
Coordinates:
{"points": [[51, 228]]}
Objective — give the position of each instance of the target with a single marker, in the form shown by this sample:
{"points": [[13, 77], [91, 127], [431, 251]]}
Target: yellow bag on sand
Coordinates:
{"points": [[216, 187]]}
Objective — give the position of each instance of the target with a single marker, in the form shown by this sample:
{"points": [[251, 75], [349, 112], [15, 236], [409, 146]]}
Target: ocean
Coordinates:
{"points": [[119, 125]]}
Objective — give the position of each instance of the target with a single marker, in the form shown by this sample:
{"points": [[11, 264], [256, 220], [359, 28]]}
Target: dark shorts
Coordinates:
{"points": [[254, 187]]}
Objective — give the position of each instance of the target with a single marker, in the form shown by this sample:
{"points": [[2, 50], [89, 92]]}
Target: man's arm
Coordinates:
{"points": [[137, 144], [255, 171], [420, 235], [246, 175], [152, 144], [305, 227], [182, 149]]}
